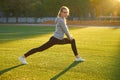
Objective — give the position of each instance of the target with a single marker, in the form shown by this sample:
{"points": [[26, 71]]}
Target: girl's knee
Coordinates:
{"points": [[73, 39]]}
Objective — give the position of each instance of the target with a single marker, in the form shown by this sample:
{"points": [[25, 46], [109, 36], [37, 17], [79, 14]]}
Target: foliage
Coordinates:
{"points": [[44, 8]]}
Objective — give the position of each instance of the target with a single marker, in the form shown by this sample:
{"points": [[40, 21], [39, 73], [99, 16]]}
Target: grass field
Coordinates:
{"points": [[100, 47]]}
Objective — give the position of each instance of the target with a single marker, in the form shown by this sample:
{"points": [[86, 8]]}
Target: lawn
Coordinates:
{"points": [[99, 46]]}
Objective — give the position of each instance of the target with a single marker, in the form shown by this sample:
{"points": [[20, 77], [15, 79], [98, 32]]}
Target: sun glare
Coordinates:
{"points": [[118, 0]]}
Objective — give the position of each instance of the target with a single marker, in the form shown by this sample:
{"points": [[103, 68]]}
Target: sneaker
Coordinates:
{"points": [[79, 59], [23, 60]]}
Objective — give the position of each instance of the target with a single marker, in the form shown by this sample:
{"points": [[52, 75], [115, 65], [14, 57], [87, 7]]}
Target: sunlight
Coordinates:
{"points": [[118, 0]]}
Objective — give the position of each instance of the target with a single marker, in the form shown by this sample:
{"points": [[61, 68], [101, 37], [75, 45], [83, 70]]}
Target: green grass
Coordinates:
{"points": [[100, 47]]}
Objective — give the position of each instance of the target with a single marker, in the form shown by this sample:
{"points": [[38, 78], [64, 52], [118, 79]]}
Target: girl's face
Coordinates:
{"points": [[64, 13]]}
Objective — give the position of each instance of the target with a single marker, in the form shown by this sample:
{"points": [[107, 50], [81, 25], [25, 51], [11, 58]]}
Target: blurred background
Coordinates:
{"points": [[45, 11]]}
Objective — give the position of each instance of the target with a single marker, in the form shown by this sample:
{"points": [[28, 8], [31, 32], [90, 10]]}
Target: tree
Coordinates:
{"points": [[45, 8]]}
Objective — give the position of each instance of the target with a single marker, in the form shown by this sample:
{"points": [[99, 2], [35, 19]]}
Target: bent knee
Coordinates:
{"points": [[73, 39]]}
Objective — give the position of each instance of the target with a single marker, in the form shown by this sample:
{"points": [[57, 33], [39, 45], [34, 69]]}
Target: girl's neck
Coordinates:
{"points": [[63, 19]]}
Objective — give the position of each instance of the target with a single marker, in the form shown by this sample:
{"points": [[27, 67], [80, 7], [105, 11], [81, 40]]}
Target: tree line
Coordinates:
{"points": [[49, 8]]}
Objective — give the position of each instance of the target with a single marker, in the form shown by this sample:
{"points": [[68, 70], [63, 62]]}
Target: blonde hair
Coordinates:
{"points": [[61, 9]]}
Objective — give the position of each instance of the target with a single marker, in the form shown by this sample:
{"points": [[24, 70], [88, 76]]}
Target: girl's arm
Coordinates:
{"points": [[65, 29]]}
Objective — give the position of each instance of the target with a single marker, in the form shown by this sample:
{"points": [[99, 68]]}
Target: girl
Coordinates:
{"points": [[57, 38]]}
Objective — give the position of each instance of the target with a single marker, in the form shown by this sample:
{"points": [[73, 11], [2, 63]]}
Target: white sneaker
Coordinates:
{"points": [[23, 60], [79, 59]]}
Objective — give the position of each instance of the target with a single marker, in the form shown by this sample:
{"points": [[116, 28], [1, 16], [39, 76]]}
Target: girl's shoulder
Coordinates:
{"points": [[59, 19]]}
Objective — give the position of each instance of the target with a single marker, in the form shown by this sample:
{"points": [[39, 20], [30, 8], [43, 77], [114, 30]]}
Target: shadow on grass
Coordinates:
{"points": [[9, 69], [116, 72], [15, 32], [65, 70], [12, 33]]}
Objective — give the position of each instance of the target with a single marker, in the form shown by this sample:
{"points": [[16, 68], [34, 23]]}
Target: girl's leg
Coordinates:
{"points": [[45, 46], [67, 41], [73, 45]]}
